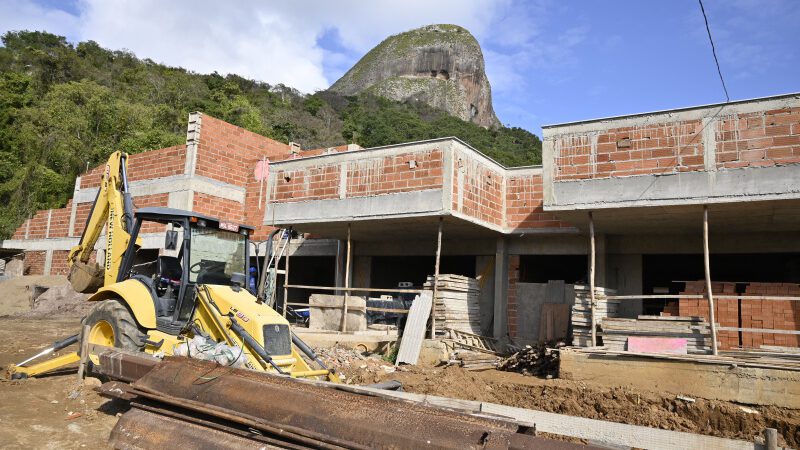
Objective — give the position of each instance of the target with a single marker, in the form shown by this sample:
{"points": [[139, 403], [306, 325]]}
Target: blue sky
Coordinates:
{"points": [[548, 61]]}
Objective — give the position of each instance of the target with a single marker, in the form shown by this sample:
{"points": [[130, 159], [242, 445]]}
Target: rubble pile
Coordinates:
{"points": [[539, 360], [353, 366]]}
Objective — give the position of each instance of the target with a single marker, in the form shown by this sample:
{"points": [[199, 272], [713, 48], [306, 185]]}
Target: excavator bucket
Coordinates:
{"points": [[85, 278]]}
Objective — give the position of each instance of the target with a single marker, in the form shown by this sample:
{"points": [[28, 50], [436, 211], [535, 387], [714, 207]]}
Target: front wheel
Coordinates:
{"points": [[111, 324]]}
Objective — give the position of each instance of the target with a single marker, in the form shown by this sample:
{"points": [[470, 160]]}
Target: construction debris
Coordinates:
{"points": [[474, 361], [582, 312], [457, 303], [539, 360]]}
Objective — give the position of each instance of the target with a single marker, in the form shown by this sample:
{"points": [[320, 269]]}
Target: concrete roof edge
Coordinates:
{"points": [[665, 111]]}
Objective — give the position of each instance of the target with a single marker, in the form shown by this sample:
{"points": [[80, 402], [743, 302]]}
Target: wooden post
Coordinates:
{"points": [[708, 282], [771, 438], [286, 272], [84, 352], [346, 281], [436, 278], [591, 278]]}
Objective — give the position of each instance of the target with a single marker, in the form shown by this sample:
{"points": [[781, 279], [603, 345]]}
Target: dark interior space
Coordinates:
{"points": [[309, 271], [144, 261], [662, 271], [388, 271], [542, 268]]}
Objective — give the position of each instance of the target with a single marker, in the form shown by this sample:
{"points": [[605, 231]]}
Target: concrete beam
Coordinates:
{"points": [[171, 184], [687, 188]]}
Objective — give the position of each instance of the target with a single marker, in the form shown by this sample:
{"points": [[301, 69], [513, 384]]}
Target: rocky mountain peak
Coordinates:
{"points": [[441, 65]]}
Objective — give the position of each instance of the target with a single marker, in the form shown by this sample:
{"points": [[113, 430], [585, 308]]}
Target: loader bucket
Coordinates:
{"points": [[85, 278]]}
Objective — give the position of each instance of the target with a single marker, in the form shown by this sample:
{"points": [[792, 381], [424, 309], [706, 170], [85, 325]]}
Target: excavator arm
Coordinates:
{"points": [[113, 208]]}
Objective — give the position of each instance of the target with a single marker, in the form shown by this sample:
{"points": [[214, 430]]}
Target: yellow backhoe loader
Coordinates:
{"points": [[190, 300]]}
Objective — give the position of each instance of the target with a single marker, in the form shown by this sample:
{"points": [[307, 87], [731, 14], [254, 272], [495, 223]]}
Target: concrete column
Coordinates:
{"points": [[484, 268], [500, 323], [362, 272], [49, 219], [48, 262], [625, 275]]}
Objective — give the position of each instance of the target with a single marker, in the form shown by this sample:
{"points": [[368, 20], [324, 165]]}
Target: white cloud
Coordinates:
{"points": [[276, 42]]}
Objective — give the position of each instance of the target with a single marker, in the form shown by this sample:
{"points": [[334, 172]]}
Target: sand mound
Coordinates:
{"points": [[15, 295], [59, 301]]}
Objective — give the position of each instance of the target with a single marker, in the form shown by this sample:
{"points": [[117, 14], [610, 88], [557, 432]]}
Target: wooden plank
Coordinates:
{"points": [[414, 331], [84, 351], [759, 330], [354, 289], [554, 321]]}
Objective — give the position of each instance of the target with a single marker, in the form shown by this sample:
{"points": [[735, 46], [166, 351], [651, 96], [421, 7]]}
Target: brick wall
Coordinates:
{"points": [[753, 139], [647, 149], [150, 201], [317, 182], [478, 190], [764, 138], [38, 225], [147, 165], [513, 278], [59, 265], [224, 209], [34, 263], [228, 153], [59, 222], [525, 204], [365, 177]]}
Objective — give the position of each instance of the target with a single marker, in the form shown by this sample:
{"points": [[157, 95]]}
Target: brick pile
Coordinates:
{"points": [[771, 314], [754, 313], [726, 312]]}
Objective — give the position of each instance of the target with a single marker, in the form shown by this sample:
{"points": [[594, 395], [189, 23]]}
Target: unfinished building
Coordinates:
{"points": [[642, 181]]}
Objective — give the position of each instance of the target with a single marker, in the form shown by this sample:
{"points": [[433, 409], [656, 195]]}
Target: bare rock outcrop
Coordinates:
{"points": [[441, 65]]}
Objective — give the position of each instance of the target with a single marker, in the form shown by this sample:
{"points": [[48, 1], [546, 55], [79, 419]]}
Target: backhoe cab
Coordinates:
{"points": [[189, 300]]}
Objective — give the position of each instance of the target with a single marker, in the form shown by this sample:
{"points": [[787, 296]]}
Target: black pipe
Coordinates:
{"points": [[252, 343], [307, 350], [58, 345]]}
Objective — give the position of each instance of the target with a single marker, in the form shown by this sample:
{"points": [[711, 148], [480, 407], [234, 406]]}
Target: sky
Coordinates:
{"points": [[548, 61]]}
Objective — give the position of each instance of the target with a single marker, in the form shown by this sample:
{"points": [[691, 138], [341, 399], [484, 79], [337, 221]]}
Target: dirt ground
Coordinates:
{"points": [[54, 411], [57, 411], [15, 295]]}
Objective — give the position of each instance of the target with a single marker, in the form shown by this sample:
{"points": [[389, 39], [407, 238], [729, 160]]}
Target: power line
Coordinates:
{"points": [[714, 51]]}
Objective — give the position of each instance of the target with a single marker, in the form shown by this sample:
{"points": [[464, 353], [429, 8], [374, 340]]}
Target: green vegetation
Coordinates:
{"points": [[63, 107]]}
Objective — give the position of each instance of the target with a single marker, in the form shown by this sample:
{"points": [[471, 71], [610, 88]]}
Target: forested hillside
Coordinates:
{"points": [[64, 107]]}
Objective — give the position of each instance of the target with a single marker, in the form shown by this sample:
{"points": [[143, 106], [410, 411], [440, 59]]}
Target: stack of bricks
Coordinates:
{"points": [[726, 312], [771, 314]]}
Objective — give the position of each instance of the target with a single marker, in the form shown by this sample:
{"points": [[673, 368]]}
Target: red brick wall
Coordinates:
{"points": [[513, 278], [59, 264], [81, 214], [38, 225], [392, 174], [34, 263], [525, 204], [228, 153], [482, 187], [764, 138], [19, 233], [147, 165], [59, 222], [312, 183], [647, 149], [148, 201], [223, 209], [370, 176]]}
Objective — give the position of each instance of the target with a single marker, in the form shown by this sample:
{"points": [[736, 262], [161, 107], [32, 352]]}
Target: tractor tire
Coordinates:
{"points": [[112, 324]]}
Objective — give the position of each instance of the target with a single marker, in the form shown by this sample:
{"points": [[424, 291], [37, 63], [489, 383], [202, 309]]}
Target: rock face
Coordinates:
{"points": [[441, 65]]}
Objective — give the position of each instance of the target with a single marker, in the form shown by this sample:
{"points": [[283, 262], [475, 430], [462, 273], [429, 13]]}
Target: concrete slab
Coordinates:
{"points": [[748, 385]]}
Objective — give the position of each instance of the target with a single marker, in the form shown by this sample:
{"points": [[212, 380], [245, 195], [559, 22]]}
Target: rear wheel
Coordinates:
{"points": [[111, 324]]}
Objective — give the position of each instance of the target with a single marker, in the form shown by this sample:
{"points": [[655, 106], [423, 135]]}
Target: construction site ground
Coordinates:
{"points": [[57, 411]]}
